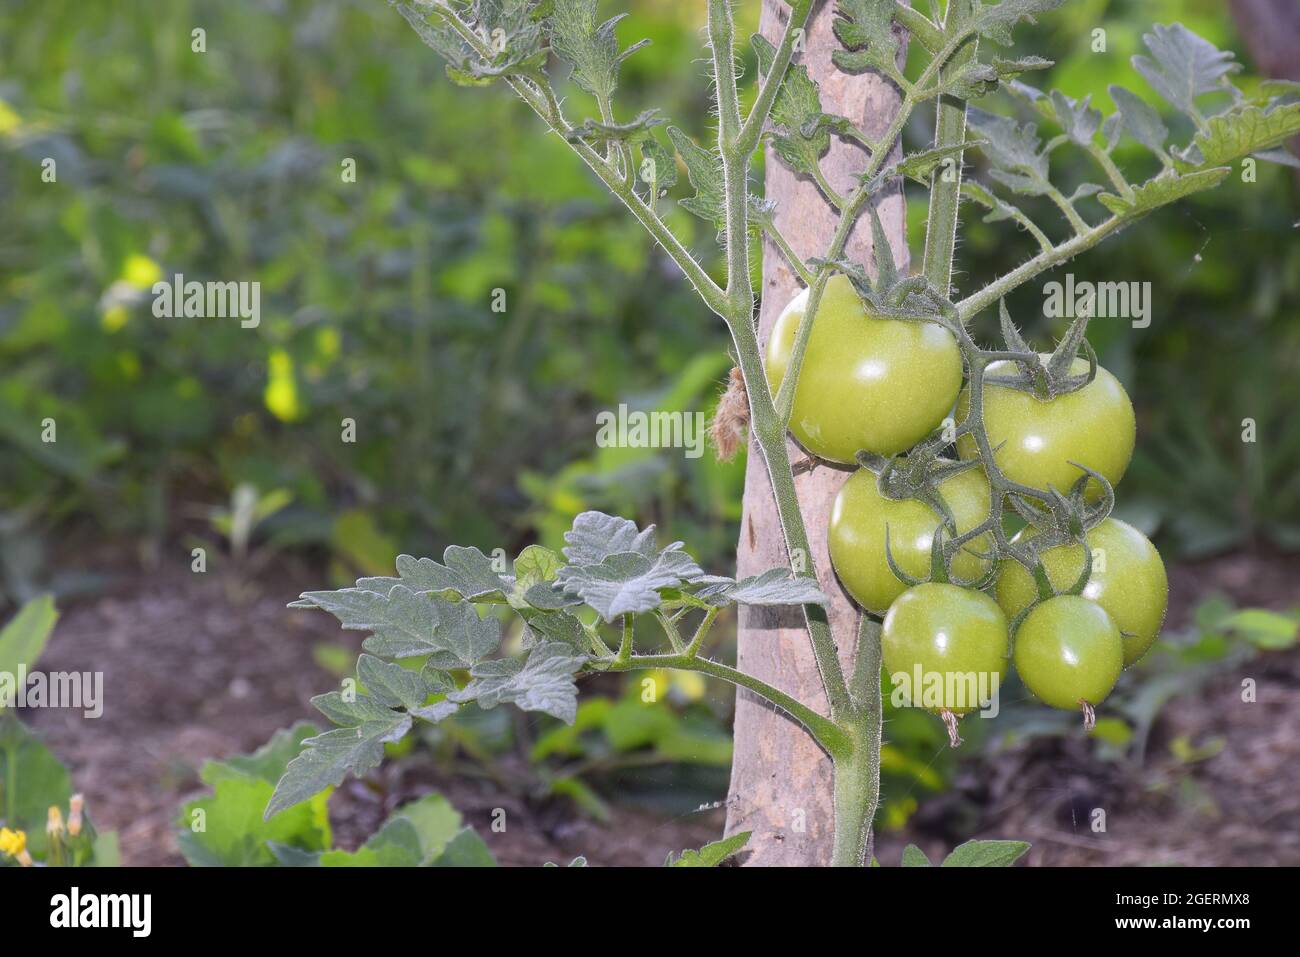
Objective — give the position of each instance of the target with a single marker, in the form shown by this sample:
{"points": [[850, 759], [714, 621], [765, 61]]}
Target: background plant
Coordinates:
{"points": [[42, 820]]}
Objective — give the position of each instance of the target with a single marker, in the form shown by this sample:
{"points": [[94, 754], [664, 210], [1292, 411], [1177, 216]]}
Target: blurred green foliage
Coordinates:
{"points": [[376, 295], [473, 425]]}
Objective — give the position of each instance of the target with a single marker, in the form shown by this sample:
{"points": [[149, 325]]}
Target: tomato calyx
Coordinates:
{"points": [[1050, 377], [942, 552]]}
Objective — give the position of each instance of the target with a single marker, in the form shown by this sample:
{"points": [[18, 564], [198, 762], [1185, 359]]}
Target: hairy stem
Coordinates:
{"points": [[945, 191], [826, 732], [747, 141], [977, 302]]}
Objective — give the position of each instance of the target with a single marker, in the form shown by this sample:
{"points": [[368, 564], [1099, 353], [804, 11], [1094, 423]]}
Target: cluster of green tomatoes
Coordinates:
{"points": [[881, 386]]}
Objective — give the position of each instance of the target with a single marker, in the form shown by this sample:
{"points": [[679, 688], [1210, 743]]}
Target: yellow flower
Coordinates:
{"points": [[54, 821], [12, 843]]}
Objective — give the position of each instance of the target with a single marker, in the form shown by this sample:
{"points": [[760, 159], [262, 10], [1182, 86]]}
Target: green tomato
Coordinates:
{"points": [[1068, 651], [857, 534], [956, 638], [1128, 580], [866, 382], [1093, 426]]}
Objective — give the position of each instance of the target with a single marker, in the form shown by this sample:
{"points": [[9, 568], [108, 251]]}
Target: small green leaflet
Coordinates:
{"points": [[986, 854], [594, 131], [800, 135], [1184, 67], [913, 856], [628, 582], [710, 855], [466, 573], [704, 170], [1014, 150], [777, 586], [331, 756], [996, 22], [591, 49], [1141, 121], [1163, 189], [658, 166], [595, 536], [406, 624], [535, 564], [399, 617], [391, 684], [918, 166], [1079, 120], [542, 682], [865, 27], [1239, 132]]}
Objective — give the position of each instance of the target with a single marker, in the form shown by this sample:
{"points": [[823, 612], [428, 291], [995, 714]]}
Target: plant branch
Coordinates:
{"points": [[977, 302], [540, 98], [747, 140], [826, 732], [945, 193], [803, 272]]}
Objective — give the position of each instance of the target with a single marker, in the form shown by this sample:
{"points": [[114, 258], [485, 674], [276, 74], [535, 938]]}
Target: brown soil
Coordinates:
{"points": [[195, 668]]}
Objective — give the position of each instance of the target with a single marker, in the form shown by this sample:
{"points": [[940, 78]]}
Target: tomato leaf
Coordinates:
{"points": [[330, 757], [1163, 189], [776, 586], [590, 48], [390, 684], [986, 854], [704, 170], [629, 582], [996, 22], [710, 855], [1184, 67], [1239, 132], [663, 171], [865, 28], [913, 856], [1141, 120], [541, 682]]}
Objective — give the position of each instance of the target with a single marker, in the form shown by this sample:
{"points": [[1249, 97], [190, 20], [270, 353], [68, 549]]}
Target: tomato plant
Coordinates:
{"points": [[862, 367]]}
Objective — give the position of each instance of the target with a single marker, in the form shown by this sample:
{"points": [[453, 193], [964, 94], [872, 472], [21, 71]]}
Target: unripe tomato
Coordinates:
{"points": [[946, 631], [857, 534], [866, 382], [1068, 651], [1128, 580], [1093, 426]]}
